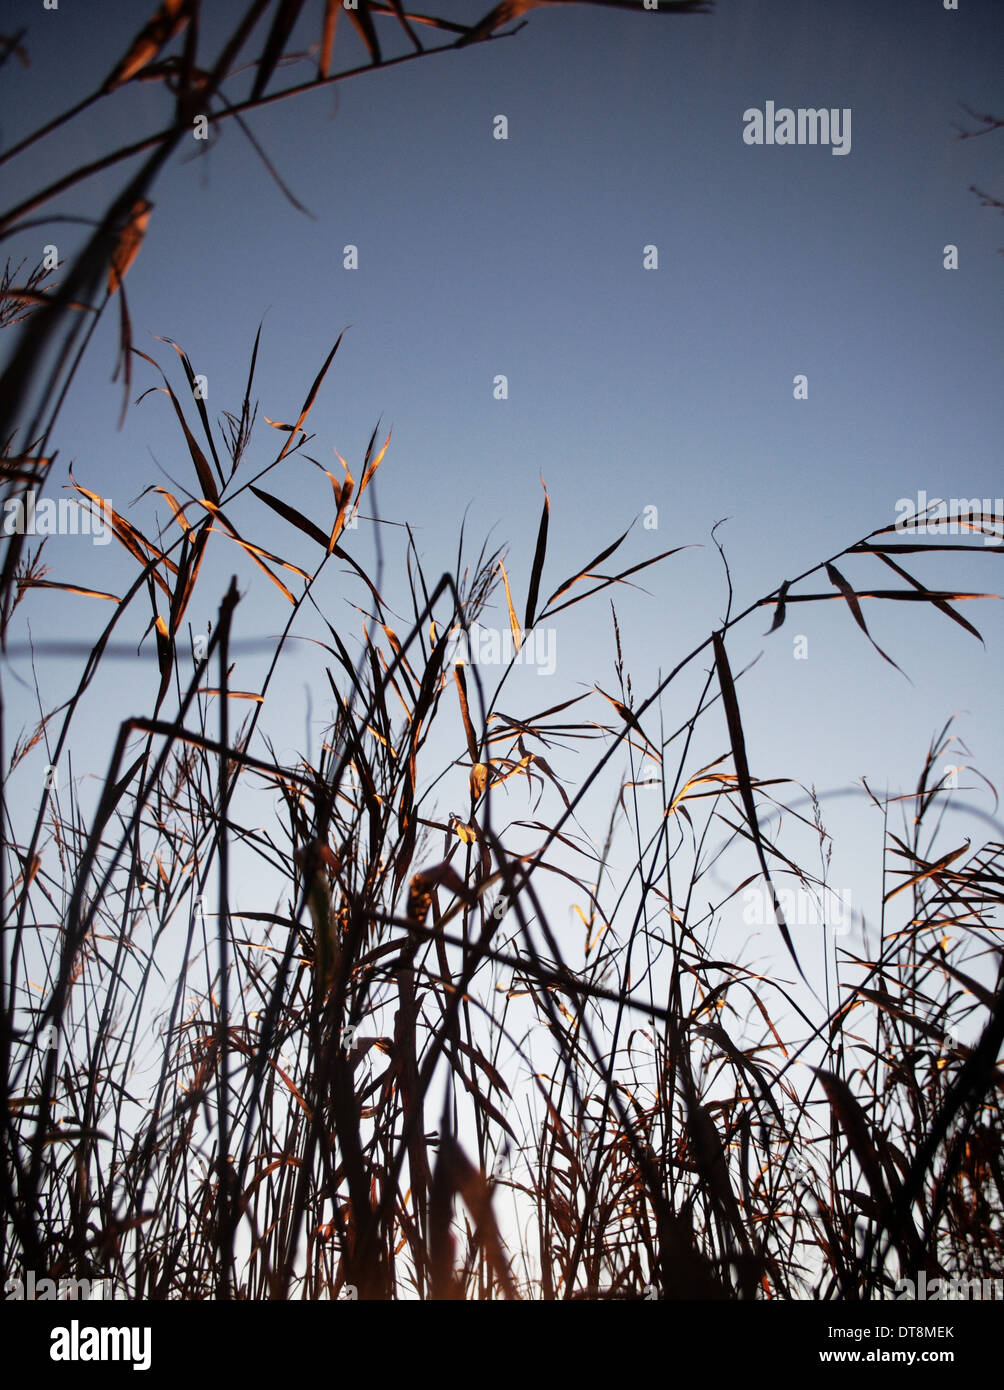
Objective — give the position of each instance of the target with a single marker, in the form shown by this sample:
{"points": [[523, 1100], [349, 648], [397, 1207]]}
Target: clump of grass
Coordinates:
{"points": [[336, 1076]]}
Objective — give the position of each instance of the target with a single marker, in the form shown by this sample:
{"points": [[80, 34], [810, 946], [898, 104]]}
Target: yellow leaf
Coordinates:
{"points": [[517, 635]]}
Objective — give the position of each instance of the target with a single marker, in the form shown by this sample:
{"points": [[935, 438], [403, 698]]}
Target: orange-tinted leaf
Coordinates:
{"points": [[130, 240], [169, 20], [472, 743], [67, 588], [423, 885], [331, 8], [233, 694], [629, 719]]}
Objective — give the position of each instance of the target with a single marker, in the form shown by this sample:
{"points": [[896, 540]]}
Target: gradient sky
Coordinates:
{"points": [[627, 388]]}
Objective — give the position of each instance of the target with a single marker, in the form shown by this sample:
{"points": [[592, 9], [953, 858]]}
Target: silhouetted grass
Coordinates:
{"points": [[393, 1075]]}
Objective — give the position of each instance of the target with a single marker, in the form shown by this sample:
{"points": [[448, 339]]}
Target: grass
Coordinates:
{"points": [[385, 1072]]}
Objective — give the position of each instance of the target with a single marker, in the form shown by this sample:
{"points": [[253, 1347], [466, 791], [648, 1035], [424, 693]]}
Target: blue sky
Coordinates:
{"points": [[627, 388]]}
